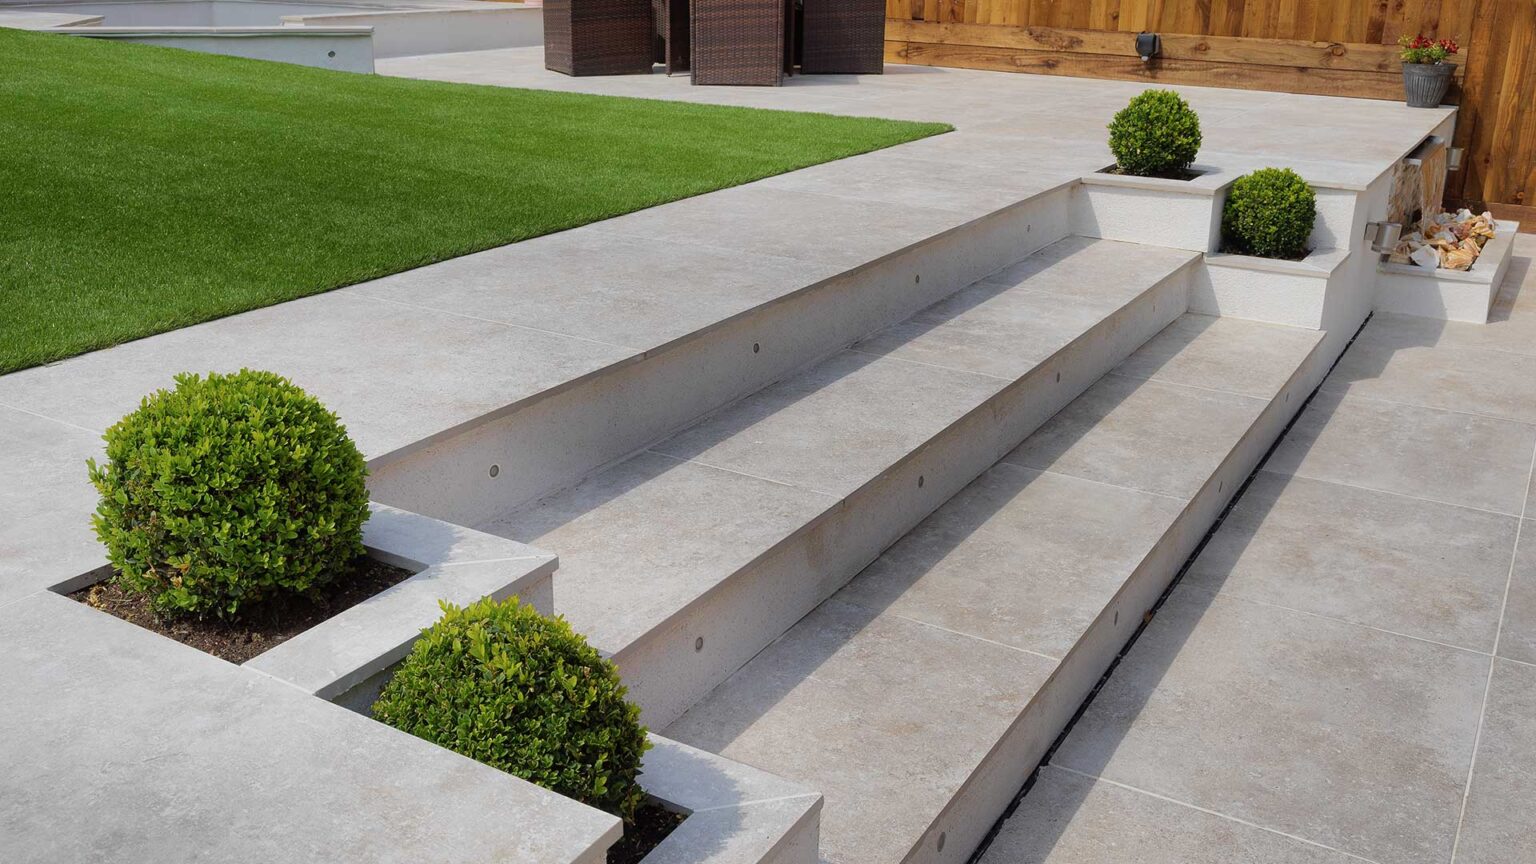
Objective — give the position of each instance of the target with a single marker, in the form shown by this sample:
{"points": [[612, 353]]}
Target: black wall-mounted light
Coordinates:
{"points": [[1148, 45]]}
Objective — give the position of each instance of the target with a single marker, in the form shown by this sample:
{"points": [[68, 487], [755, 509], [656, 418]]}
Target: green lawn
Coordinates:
{"points": [[144, 189]]}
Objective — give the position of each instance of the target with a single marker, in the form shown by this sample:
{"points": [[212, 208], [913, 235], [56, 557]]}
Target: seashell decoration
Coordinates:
{"points": [[1448, 241]]}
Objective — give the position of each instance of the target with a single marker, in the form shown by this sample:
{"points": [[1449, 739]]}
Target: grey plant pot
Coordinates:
{"points": [[1426, 83]]}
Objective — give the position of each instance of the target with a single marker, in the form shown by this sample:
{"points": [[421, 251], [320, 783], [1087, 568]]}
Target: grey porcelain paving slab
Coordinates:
{"points": [[1509, 329], [843, 692], [45, 503], [1071, 819], [1497, 828], [1517, 639], [122, 745], [1416, 567], [395, 374], [1161, 438], [595, 284], [756, 218], [1395, 358], [1346, 736], [987, 328], [1228, 354], [895, 178], [1455, 458], [1106, 273], [1007, 323], [1019, 557], [655, 533], [835, 426]]}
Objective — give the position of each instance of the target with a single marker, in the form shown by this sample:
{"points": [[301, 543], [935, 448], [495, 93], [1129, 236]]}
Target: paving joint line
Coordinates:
{"points": [[1482, 717], [1209, 812]]}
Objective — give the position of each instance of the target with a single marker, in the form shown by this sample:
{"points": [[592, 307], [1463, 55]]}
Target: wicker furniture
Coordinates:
{"points": [[843, 37], [598, 37], [672, 28], [738, 41]]}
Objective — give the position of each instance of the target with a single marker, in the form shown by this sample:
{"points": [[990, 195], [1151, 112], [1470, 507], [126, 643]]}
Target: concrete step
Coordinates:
{"points": [[921, 695], [677, 311], [686, 560]]}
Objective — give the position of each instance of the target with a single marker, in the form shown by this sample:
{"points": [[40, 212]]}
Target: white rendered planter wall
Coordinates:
{"points": [[1177, 214], [1274, 291], [1449, 295]]}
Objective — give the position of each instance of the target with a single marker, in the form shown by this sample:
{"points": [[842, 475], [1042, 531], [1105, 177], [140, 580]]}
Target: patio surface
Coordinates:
{"points": [[1348, 670], [116, 722]]}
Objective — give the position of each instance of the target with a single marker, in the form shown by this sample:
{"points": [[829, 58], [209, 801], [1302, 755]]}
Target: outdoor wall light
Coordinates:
{"points": [[1453, 158], [1383, 235], [1148, 45]]}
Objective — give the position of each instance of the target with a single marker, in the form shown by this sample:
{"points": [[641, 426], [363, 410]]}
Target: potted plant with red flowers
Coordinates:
{"points": [[1426, 69]]}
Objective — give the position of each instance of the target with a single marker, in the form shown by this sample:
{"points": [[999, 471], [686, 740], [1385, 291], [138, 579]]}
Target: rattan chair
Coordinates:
{"points": [[738, 42], [843, 37], [598, 37]]}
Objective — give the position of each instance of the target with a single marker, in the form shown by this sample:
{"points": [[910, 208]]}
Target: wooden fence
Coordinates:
{"points": [[1329, 47]]}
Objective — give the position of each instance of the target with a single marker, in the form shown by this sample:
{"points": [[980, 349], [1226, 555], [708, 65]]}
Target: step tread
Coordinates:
{"points": [[643, 539], [1022, 561]]}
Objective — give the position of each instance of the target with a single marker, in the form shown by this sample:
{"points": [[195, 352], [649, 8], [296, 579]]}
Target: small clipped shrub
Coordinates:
{"points": [[1269, 213], [500, 683], [229, 490], [1157, 135]]}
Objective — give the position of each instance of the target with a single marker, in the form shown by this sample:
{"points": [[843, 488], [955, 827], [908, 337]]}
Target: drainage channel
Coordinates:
{"points": [[986, 842]]}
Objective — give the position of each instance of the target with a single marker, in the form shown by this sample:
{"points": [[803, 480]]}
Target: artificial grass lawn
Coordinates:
{"points": [[145, 189]]}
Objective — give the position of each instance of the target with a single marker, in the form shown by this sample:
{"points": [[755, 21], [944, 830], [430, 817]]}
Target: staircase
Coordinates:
{"points": [[919, 697], [894, 575], [686, 560]]}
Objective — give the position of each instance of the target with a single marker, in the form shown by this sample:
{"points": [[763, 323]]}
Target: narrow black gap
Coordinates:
{"points": [[1029, 783]]}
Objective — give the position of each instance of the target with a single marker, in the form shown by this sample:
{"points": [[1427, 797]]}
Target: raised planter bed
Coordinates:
{"points": [[1450, 295], [345, 656], [1177, 214], [732, 813], [449, 562], [264, 627], [1275, 291]]}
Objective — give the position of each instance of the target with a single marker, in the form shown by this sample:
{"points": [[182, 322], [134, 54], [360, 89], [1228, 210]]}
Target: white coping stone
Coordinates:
{"points": [[122, 745], [1448, 295], [458, 564]]}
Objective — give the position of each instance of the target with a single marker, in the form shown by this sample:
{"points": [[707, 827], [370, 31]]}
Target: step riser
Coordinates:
{"points": [[558, 438], [990, 790], [666, 673]]}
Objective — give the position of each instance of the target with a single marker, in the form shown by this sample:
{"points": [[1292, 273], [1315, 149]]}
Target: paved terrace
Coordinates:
{"points": [[115, 722]]}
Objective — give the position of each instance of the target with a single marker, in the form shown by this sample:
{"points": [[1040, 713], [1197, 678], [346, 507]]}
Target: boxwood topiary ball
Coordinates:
{"points": [[229, 490], [1269, 213], [500, 683], [1156, 135]]}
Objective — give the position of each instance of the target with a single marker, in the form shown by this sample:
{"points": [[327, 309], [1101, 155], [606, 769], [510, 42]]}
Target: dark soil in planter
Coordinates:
{"points": [[1184, 174], [652, 825], [260, 627]]}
